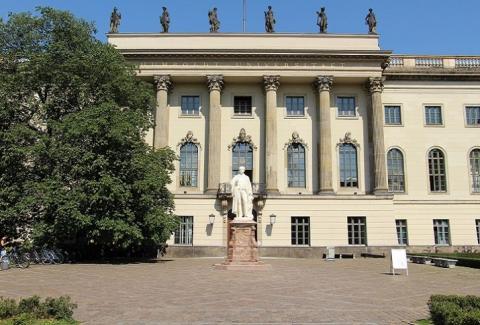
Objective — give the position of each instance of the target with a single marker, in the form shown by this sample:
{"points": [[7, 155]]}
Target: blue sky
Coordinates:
{"points": [[406, 26]]}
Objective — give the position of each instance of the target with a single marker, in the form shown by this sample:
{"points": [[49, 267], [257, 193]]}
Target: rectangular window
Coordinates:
{"points": [[433, 115], [242, 105], [357, 230], [295, 105], [346, 106], [300, 230], [393, 115], [402, 233], [184, 233], [441, 230], [190, 105], [473, 115], [478, 230]]}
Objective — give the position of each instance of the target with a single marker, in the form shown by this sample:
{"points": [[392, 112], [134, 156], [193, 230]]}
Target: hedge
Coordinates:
{"points": [[31, 310], [454, 310]]}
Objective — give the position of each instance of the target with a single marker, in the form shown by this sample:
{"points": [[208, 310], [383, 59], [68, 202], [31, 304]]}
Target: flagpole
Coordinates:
{"points": [[244, 16]]}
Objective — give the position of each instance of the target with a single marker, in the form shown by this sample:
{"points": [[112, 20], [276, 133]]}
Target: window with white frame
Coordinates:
{"points": [[348, 165], [184, 233], [295, 105], [402, 231], [242, 105], [357, 230], [393, 115], [436, 170], [300, 230], [296, 165], [189, 165], [478, 230], [396, 174], [190, 105], [433, 115], [441, 231], [473, 115], [346, 106], [475, 170]]}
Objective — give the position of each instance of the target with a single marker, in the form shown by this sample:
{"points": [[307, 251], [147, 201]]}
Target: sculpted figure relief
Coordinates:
{"points": [[242, 196], [165, 20], [213, 19], [371, 21], [270, 20], [115, 20], [322, 20]]}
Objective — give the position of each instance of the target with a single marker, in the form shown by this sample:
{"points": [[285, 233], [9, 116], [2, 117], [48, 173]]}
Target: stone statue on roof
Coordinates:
{"points": [[322, 20], [165, 20], [115, 20], [371, 21], [213, 19], [270, 20]]}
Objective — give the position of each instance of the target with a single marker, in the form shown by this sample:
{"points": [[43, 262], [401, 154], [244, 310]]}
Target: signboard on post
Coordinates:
{"points": [[399, 260]]}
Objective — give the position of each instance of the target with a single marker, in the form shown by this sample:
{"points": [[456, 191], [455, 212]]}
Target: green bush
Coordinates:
{"points": [[29, 310], [454, 310]]}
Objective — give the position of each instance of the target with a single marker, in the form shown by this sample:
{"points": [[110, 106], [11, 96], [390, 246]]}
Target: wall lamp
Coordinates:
{"points": [[273, 219], [211, 218]]}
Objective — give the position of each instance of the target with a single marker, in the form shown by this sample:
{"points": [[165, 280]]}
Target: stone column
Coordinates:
{"points": [[375, 86], [271, 84], [164, 86], [325, 180], [215, 85]]}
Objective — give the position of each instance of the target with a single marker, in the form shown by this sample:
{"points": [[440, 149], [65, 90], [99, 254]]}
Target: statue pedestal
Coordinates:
{"points": [[242, 248]]}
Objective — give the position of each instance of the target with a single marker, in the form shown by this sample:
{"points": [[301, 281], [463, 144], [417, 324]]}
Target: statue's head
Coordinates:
{"points": [[114, 9], [241, 170], [322, 9], [370, 9], [269, 7], [214, 9], [164, 8]]}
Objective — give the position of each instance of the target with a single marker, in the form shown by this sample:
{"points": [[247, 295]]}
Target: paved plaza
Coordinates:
{"points": [[295, 291]]}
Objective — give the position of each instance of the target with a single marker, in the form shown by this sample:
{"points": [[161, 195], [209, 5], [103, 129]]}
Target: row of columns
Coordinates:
{"points": [[323, 85]]}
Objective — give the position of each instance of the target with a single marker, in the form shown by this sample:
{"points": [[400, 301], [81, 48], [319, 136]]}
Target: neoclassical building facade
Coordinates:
{"points": [[346, 144]]}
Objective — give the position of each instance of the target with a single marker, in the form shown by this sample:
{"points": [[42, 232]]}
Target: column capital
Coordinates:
{"points": [[375, 85], [215, 82], [271, 83], [163, 82], [323, 83]]}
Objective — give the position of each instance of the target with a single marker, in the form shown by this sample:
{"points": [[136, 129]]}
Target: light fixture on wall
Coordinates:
{"points": [[273, 219], [211, 218]]}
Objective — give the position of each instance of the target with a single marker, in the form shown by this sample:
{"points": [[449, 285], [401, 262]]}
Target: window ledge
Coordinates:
{"points": [[348, 117], [434, 125], [394, 125], [472, 126], [190, 116], [295, 117], [243, 117]]}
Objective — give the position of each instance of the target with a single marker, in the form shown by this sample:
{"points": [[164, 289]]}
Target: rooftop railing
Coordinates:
{"points": [[434, 62]]}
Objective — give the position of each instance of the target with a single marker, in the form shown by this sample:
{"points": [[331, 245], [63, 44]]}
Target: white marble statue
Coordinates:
{"points": [[242, 196]]}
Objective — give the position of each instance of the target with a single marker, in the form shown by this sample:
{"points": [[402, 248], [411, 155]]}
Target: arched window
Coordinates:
{"points": [[242, 155], [475, 170], [348, 165], [396, 175], [296, 165], [189, 165], [436, 171]]}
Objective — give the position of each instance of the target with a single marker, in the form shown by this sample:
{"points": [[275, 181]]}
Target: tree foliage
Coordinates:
{"points": [[75, 169]]}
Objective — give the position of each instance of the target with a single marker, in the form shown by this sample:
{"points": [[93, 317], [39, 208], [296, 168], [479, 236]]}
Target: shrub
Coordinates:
{"points": [[455, 310], [8, 308], [31, 308]]}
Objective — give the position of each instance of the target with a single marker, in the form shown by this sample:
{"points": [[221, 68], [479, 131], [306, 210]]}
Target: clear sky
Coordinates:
{"points": [[406, 26]]}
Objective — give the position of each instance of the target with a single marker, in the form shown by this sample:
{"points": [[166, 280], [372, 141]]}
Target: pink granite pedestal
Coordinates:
{"points": [[242, 248]]}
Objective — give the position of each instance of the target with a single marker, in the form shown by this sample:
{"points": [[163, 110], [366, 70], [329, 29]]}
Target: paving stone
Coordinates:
{"points": [[190, 291]]}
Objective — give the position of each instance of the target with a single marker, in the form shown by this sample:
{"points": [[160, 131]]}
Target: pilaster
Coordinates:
{"points": [[271, 84], [164, 85]]}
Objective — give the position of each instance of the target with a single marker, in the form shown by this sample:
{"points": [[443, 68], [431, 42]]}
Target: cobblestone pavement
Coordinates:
{"points": [[295, 291]]}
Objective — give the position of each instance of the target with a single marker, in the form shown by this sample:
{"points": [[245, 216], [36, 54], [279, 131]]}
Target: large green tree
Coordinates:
{"points": [[75, 169]]}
